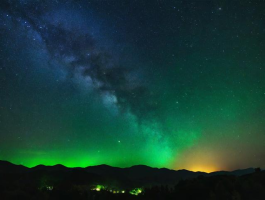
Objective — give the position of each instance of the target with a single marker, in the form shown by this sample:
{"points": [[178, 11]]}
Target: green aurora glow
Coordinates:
{"points": [[190, 92]]}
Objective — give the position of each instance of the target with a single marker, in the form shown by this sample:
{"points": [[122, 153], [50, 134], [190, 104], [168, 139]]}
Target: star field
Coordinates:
{"points": [[176, 84]]}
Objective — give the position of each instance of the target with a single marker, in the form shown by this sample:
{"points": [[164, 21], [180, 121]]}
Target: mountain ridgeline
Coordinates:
{"points": [[140, 175], [136, 182]]}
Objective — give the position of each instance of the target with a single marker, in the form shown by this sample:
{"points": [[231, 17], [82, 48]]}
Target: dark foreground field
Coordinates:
{"points": [[138, 182]]}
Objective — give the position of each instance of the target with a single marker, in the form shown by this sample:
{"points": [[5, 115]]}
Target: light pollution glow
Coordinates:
{"points": [[168, 84]]}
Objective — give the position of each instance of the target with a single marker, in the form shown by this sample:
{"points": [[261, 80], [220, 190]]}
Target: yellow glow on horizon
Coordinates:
{"points": [[201, 168]]}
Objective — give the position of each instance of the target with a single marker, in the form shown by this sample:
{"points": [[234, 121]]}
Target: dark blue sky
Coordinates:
{"points": [[177, 84]]}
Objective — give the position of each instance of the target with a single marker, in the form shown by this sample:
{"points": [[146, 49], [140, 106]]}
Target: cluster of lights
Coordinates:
{"points": [[117, 191], [98, 188], [50, 188], [135, 191]]}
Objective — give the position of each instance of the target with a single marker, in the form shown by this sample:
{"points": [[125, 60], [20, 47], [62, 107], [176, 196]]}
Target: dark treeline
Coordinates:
{"points": [[219, 187]]}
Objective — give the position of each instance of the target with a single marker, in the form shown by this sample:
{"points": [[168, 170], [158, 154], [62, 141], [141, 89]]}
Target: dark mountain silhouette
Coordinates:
{"points": [[6, 167], [144, 175], [60, 182], [136, 175], [51, 168]]}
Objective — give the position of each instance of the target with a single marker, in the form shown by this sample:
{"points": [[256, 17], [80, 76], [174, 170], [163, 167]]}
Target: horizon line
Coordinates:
{"points": [[131, 166]]}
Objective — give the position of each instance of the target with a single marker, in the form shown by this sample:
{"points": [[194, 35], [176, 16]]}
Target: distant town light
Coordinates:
{"points": [[136, 191], [50, 188]]}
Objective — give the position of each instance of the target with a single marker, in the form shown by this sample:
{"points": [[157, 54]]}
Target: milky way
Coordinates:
{"points": [[166, 84]]}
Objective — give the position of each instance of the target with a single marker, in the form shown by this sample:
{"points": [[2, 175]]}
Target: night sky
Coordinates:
{"points": [[176, 84]]}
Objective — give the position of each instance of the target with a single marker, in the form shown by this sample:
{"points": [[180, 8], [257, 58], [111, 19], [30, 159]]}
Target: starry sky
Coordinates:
{"points": [[176, 84]]}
